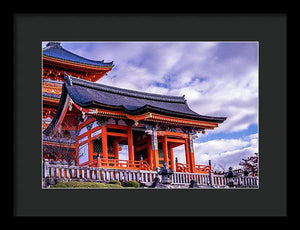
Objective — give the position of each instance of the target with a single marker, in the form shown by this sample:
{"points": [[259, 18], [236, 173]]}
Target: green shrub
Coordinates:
{"points": [[76, 184], [115, 182], [132, 183]]}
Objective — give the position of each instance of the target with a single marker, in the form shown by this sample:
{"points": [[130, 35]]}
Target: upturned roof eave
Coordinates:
{"points": [[79, 64]]}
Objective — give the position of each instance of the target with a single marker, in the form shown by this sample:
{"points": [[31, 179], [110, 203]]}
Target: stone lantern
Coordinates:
{"points": [[230, 175]]}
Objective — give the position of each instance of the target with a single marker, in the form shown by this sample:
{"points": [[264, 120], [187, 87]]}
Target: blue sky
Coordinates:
{"points": [[217, 79]]}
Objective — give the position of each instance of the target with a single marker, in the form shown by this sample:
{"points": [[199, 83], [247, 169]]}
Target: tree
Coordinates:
{"points": [[62, 147], [250, 165]]}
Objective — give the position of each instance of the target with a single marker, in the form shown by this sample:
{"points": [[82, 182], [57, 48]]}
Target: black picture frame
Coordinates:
{"points": [[270, 30]]}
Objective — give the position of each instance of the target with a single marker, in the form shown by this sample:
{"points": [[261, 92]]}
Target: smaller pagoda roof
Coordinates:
{"points": [[55, 50]]}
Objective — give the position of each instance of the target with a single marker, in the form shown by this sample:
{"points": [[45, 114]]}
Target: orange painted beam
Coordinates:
{"points": [[116, 134], [122, 127], [168, 133], [176, 140], [182, 120]]}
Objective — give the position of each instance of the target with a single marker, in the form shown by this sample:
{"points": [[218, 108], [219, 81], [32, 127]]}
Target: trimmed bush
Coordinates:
{"points": [[132, 183], [76, 184], [115, 182]]}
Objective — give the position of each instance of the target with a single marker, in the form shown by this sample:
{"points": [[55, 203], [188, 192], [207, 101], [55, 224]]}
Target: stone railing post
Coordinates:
{"points": [[46, 168], [210, 175]]}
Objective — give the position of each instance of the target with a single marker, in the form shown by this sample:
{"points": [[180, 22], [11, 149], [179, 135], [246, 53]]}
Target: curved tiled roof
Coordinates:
{"points": [[93, 95], [55, 50], [90, 95]]}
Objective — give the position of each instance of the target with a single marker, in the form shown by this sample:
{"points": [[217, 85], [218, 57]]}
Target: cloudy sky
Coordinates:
{"points": [[217, 79]]}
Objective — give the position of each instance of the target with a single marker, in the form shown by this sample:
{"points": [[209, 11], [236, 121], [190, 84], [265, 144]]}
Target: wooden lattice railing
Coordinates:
{"points": [[182, 167], [198, 168], [118, 164]]}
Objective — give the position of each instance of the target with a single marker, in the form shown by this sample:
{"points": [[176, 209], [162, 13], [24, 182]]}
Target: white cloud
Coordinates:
{"points": [[226, 152], [223, 153]]}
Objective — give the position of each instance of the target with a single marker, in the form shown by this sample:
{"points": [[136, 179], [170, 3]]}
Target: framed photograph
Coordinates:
{"points": [[173, 115], [175, 111]]}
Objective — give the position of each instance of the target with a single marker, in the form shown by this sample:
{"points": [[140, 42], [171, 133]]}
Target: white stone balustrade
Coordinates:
{"points": [[86, 173]]}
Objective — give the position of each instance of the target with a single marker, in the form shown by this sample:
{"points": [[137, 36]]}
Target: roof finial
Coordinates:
{"points": [[54, 44]]}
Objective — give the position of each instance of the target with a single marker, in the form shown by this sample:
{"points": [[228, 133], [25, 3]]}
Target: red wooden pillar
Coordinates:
{"points": [[154, 143], [187, 153], [155, 159], [90, 145], [149, 153], [116, 148], [192, 159], [165, 149], [104, 143], [130, 144], [192, 155], [171, 158]]}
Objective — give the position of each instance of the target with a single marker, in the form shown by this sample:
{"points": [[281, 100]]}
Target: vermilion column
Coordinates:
{"points": [[154, 143], [104, 142], [192, 159], [90, 145], [116, 148], [130, 144], [192, 155], [149, 151], [171, 159], [165, 149], [187, 153]]}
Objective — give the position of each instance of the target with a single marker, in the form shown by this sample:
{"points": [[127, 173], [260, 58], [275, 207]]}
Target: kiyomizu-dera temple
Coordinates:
{"points": [[106, 118]]}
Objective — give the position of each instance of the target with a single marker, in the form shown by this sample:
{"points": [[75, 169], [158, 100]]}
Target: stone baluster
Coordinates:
{"points": [[82, 173], [93, 174], [117, 175], [111, 174], [72, 172], [57, 172], [46, 168], [68, 173], [78, 173]]}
